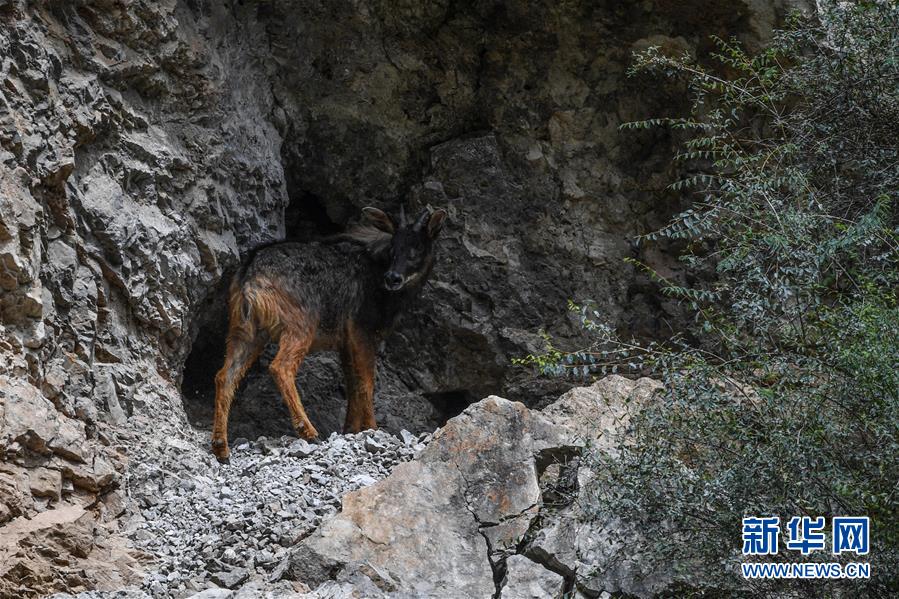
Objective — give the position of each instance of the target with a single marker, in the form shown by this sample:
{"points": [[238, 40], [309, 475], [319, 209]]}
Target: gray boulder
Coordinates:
{"points": [[590, 551], [526, 579], [461, 506], [495, 501]]}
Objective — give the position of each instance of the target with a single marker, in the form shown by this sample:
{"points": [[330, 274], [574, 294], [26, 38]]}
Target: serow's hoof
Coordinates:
{"points": [[220, 450], [307, 432]]}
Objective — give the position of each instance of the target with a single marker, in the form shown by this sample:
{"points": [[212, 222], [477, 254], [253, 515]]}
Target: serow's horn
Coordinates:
{"points": [[422, 220]]}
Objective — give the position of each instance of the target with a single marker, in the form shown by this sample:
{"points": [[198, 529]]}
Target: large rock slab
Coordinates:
{"points": [[492, 507], [82, 556], [596, 414], [404, 528], [28, 420], [443, 524]]}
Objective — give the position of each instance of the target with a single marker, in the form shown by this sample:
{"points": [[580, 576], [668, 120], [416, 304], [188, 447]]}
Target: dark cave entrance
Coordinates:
{"points": [[306, 218], [449, 404]]}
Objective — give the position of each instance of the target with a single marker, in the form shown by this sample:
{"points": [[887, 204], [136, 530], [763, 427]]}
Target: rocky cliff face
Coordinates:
{"points": [[505, 114], [144, 146]]}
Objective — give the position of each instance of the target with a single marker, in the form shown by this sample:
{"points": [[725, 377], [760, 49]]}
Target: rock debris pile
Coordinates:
{"points": [[214, 525]]}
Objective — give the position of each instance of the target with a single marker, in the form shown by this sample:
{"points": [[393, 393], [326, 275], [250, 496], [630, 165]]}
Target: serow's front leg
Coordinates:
{"points": [[292, 348], [359, 356]]}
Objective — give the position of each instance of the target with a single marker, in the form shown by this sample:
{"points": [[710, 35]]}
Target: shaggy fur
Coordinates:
{"points": [[342, 294]]}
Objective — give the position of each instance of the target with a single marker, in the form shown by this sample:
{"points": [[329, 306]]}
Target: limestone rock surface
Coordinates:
{"points": [[495, 500]]}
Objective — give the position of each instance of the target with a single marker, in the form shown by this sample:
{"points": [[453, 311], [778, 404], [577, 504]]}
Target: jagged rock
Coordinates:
{"points": [[596, 413], [567, 540], [213, 594], [475, 488], [69, 534], [98, 476], [14, 496], [70, 440], [408, 438], [499, 486], [401, 539], [495, 448], [28, 418], [300, 449], [373, 445], [44, 482], [529, 580], [231, 579]]}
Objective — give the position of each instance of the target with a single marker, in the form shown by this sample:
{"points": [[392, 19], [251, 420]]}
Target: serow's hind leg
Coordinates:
{"points": [[292, 349], [358, 356], [240, 355]]}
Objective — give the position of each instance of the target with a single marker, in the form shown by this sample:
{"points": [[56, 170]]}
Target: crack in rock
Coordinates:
{"points": [[497, 566]]}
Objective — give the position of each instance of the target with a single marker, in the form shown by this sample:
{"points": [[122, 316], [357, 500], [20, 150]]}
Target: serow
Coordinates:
{"points": [[341, 294]]}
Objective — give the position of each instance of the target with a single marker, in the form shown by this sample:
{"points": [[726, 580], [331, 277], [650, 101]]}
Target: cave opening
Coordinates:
{"points": [[307, 215], [206, 355], [306, 218], [449, 404]]}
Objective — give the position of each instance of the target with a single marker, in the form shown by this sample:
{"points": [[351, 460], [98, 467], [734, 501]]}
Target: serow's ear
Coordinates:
{"points": [[435, 223], [377, 219]]}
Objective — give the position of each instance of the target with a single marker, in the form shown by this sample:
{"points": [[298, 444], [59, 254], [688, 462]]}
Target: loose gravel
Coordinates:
{"points": [[230, 526]]}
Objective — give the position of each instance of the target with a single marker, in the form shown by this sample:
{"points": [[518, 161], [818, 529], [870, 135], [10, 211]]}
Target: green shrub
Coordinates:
{"points": [[788, 404]]}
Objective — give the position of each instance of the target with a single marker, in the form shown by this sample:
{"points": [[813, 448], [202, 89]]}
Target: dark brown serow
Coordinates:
{"points": [[343, 294]]}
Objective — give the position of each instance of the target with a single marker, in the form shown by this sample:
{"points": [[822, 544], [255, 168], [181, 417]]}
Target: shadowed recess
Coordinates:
{"points": [[450, 404]]}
